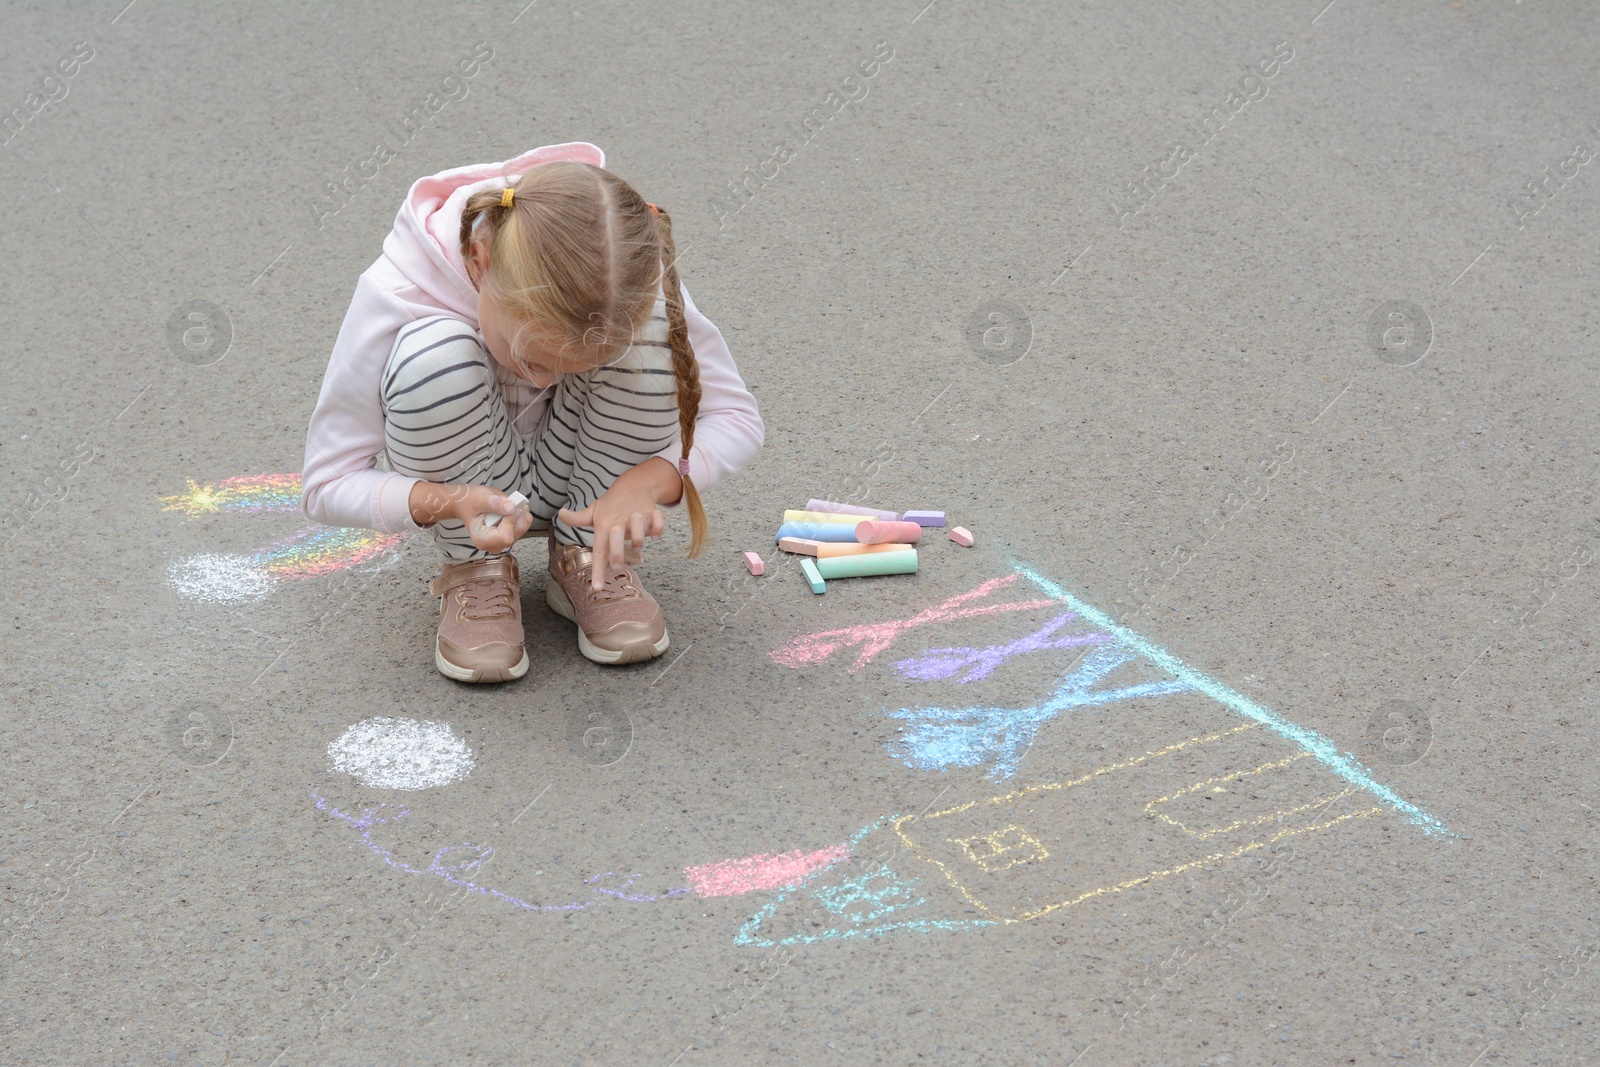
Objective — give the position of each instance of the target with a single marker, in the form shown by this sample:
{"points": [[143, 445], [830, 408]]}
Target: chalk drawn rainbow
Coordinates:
{"points": [[1182, 801], [312, 552]]}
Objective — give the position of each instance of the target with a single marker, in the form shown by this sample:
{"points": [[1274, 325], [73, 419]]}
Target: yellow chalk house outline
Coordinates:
{"points": [[997, 838]]}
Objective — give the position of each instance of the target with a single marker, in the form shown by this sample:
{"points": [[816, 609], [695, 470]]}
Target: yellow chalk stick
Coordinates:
{"points": [[820, 516]]}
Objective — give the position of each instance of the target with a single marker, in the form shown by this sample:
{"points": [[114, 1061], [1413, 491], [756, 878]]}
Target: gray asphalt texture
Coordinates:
{"points": [[1188, 405]]}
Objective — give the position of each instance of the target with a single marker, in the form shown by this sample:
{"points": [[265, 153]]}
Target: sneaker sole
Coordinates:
{"points": [[556, 598], [480, 674]]}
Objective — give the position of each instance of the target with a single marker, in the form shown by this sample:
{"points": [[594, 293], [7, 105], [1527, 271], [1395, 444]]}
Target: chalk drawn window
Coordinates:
{"points": [[869, 897], [1002, 849]]}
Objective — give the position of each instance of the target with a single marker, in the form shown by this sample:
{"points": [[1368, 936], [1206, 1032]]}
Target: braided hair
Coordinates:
{"points": [[576, 249]]}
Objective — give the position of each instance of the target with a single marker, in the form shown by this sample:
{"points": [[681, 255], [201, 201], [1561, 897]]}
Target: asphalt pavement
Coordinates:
{"points": [[1254, 343]]}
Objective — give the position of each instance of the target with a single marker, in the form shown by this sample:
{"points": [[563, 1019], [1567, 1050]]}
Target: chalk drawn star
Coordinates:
{"points": [[196, 500]]}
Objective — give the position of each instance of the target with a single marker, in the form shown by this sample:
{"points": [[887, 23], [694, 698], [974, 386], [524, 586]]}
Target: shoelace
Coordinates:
{"points": [[618, 584], [485, 598]]}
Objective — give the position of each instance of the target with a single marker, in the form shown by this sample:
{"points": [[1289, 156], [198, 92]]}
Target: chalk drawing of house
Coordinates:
{"points": [[1237, 780]]}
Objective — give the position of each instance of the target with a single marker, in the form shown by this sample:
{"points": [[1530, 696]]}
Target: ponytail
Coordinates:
{"points": [[496, 205], [688, 379]]}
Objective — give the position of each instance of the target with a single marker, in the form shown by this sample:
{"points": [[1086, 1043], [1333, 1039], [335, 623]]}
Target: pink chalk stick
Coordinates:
{"points": [[762, 871], [961, 536], [850, 509], [885, 533], [753, 564]]}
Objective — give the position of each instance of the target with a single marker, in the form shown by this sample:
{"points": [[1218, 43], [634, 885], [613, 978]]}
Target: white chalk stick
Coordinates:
{"points": [[491, 518]]}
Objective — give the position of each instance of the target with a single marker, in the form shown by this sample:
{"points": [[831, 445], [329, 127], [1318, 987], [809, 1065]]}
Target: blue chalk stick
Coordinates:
{"points": [[924, 518], [818, 531], [813, 576]]}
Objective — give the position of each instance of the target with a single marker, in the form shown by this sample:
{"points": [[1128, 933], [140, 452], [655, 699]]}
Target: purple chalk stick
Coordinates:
{"points": [[924, 518], [836, 508]]}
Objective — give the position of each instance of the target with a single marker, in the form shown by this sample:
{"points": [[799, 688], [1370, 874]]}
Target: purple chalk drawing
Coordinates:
{"points": [[631, 878], [940, 738], [455, 870], [937, 663]]}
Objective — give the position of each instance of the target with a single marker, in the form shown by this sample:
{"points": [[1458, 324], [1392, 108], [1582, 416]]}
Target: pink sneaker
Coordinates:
{"points": [[480, 621], [619, 622]]}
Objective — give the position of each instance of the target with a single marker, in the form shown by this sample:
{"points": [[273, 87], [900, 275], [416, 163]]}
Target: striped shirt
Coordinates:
{"points": [[453, 414]]}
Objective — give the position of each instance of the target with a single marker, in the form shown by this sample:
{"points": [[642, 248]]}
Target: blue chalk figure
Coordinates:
{"points": [[941, 738]]}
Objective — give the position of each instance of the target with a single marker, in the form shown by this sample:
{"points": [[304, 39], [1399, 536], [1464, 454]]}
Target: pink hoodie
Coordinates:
{"points": [[420, 274]]}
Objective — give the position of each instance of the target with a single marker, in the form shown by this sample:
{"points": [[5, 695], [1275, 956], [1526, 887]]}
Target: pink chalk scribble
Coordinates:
{"points": [[763, 871], [875, 637]]}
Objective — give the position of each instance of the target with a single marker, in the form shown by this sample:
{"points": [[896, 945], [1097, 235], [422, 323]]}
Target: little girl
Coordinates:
{"points": [[525, 330]]}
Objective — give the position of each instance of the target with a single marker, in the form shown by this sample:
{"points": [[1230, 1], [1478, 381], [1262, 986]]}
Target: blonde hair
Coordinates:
{"points": [[579, 252]]}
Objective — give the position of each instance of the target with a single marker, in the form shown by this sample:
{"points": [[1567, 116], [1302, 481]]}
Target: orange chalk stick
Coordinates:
{"points": [[826, 550], [800, 545]]}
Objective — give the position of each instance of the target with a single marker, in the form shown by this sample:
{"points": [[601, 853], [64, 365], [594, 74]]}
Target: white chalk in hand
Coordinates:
{"points": [[491, 518]]}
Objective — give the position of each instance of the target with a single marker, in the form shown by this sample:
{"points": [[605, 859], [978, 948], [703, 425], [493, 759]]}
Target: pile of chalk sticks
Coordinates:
{"points": [[846, 541]]}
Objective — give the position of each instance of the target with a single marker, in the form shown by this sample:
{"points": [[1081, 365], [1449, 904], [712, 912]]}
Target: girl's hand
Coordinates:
{"points": [[627, 512], [480, 500], [431, 502]]}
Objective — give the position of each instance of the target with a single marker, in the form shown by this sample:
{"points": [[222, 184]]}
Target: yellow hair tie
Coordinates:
{"points": [[505, 196]]}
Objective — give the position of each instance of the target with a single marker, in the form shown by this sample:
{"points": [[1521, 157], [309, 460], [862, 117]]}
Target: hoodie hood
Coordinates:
{"points": [[425, 243]]}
